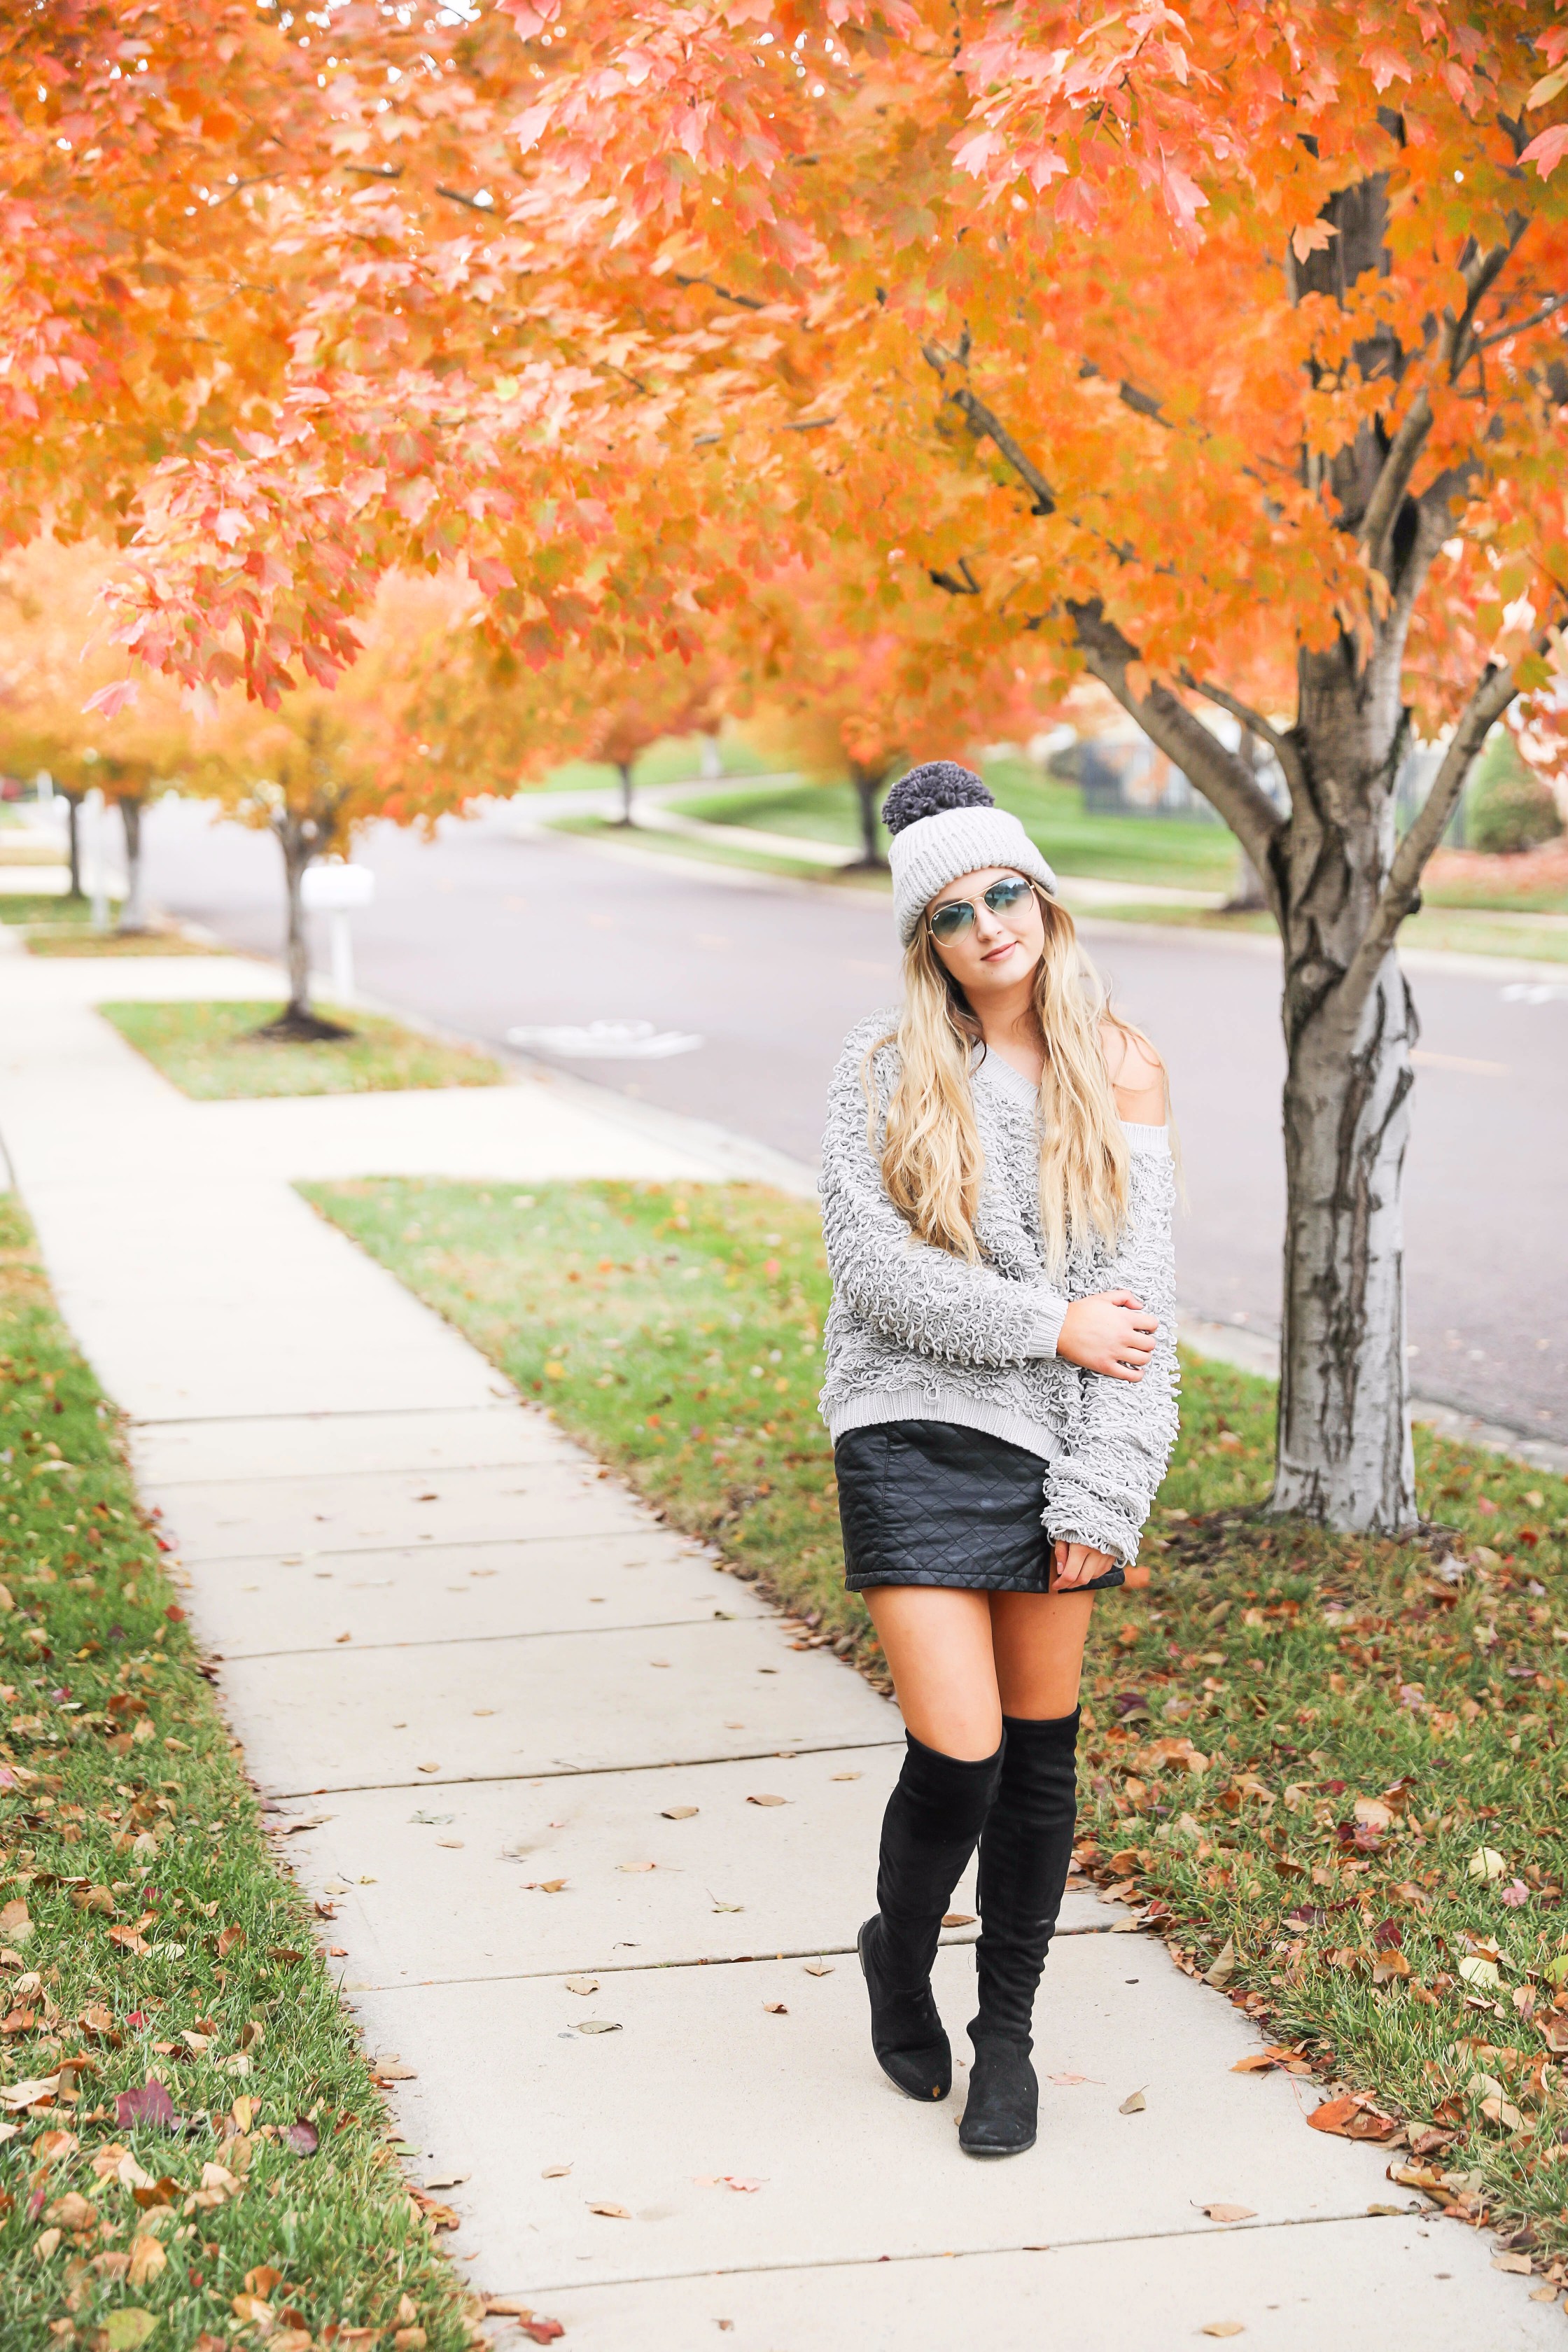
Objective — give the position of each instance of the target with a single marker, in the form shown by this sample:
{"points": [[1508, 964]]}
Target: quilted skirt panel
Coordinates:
{"points": [[929, 1502]]}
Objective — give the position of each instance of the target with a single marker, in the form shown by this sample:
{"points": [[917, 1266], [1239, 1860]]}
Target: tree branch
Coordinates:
{"points": [[1388, 494], [1283, 748], [984, 425], [1224, 779], [745, 301], [1495, 690], [1536, 319]]}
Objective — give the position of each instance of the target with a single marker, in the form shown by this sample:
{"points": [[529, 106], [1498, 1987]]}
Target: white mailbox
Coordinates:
{"points": [[333, 888]]}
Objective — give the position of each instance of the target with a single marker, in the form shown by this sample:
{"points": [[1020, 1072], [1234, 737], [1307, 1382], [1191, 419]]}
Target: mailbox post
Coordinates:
{"points": [[335, 888]]}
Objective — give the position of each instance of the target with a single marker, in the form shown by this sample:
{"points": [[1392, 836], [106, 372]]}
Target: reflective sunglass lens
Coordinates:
{"points": [[947, 921], [1003, 894]]}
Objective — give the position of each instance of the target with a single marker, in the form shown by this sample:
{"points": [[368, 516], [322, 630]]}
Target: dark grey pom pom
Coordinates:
{"points": [[927, 790]]}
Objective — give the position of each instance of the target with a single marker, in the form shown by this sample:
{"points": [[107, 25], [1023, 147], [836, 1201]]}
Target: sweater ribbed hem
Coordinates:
{"points": [[864, 1412]]}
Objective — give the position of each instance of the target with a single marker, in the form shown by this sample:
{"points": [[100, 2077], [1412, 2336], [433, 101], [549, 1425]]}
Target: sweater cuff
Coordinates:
{"points": [[1049, 1318]]}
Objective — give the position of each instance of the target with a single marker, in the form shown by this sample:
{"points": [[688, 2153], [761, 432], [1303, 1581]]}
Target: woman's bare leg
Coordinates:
{"points": [[938, 1643], [1037, 1650]]}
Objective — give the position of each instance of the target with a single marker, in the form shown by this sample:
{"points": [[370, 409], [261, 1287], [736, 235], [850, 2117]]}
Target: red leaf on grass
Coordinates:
{"points": [[151, 2106], [301, 2137], [543, 2331]]}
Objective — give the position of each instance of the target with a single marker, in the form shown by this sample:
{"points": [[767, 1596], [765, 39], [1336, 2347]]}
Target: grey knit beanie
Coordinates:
{"points": [[944, 822]]}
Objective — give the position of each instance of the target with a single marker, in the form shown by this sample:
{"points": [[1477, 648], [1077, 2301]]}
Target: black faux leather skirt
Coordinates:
{"points": [[929, 1502]]}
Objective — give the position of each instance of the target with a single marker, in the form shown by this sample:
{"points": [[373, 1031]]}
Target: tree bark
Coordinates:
{"points": [[134, 913], [73, 841], [301, 838], [867, 784], [625, 770]]}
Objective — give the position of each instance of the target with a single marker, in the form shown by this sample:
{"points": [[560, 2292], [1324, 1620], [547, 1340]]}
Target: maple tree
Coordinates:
{"points": [[330, 758], [1222, 355], [836, 676], [56, 670]]}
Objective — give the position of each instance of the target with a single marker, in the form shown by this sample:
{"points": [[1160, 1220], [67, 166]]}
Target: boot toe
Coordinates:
{"points": [[1001, 2115], [908, 2039]]}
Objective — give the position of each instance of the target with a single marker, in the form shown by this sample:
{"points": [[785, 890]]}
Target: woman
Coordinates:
{"points": [[997, 1191]]}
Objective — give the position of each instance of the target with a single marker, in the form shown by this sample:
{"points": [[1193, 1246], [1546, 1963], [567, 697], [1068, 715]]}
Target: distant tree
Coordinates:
{"points": [[68, 705], [330, 758]]}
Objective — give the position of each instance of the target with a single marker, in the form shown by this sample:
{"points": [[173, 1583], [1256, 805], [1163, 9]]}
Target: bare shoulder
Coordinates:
{"points": [[1137, 1075]]}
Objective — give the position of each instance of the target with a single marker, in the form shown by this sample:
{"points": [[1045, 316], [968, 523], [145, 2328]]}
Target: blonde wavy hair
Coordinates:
{"points": [[933, 1163]]}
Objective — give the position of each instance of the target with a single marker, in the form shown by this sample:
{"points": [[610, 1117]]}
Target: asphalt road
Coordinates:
{"points": [[483, 930]]}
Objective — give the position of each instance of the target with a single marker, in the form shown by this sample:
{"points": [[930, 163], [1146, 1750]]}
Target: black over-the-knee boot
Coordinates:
{"points": [[929, 1831], [1025, 1852]]}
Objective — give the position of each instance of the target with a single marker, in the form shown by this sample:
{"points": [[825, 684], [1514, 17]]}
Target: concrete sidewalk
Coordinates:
{"points": [[517, 1728]]}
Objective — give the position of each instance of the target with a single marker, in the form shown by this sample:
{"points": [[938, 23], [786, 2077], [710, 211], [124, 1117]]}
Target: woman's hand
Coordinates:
{"points": [[1109, 1333], [1077, 1564]]}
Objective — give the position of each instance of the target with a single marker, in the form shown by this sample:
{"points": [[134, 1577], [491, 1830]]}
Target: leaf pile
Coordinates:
{"points": [[191, 2150]]}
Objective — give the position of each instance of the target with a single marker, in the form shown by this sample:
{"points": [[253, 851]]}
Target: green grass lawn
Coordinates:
{"points": [[156, 1962], [1329, 1772], [706, 850], [669, 762], [1171, 851], [1450, 931], [43, 906], [209, 1052]]}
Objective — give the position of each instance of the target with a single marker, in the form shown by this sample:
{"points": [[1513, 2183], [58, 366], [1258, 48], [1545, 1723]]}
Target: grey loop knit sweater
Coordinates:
{"points": [[915, 1334]]}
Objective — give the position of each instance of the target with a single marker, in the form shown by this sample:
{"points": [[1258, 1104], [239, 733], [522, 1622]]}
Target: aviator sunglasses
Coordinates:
{"points": [[951, 922]]}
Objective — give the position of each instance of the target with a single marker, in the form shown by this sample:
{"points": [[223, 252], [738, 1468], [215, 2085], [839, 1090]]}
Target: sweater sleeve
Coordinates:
{"points": [[931, 1303], [1100, 1491]]}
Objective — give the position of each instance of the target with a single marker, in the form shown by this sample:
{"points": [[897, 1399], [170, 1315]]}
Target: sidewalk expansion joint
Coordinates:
{"points": [[402, 1470], [702, 1960], [467, 1641], [556, 1771], [509, 1402], [437, 1543], [968, 2253]]}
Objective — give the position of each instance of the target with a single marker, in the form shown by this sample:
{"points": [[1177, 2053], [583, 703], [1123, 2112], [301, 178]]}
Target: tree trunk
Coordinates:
{"points": [[134, 913], [73, 843], [626, 770], [300, 838], [1344, 1456], [867, 784]]}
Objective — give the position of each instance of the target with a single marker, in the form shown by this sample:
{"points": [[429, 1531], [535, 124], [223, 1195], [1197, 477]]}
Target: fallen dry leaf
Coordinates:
{"points": [[1223, 1967], [1351, 2118], [150, 2107], [1486, 1863], [679, 1812], [1221, 2212], [819, 1968], [598, 2025], [610, 2213], [958, 1920], [837, 1776], [147, 2259], [775, 2008], [582, 1984], [767, 1800], [555, 2172], [1132, 2105], [637, 1866], [1222, 2328], [72, 2211]]}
